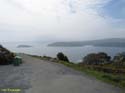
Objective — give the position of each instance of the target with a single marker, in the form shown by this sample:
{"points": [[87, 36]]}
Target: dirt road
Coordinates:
{"points": [[38, 76]]}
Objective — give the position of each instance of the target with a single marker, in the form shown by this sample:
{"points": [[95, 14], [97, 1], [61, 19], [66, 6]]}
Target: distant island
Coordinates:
{"points": [[111, 42], [24, 46]]}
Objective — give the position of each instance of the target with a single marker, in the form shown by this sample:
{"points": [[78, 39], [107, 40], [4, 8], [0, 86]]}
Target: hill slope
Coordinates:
{"points": [[113, 42]]}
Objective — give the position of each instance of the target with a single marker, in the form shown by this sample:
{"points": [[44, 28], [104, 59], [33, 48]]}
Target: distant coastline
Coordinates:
{"points": [[111, 42]]}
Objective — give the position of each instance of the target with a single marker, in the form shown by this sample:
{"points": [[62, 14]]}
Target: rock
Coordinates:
{"points": [[6, 57]]}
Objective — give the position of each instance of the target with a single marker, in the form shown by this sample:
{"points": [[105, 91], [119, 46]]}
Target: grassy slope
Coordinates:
{"points": [[115, 79]]}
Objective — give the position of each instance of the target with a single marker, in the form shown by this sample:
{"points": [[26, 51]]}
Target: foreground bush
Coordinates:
{"points": [[119, 60], [62, 57], [6, 57]]}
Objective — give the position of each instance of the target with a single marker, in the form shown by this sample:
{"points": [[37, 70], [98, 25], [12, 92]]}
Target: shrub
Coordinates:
{"points": [[62, 57], [119, 60], [95, 59]]}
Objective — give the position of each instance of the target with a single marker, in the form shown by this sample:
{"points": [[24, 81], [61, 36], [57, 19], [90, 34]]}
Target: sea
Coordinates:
{"points": [[75, 54]]}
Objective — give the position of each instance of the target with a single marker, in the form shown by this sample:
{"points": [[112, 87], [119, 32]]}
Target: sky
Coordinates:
{"points": [[61, 20]]}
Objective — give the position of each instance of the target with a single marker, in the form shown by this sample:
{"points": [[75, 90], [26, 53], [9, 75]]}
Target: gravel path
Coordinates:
{"points": [[37, 76]]}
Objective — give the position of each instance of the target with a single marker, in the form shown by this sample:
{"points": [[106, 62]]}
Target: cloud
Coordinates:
{"points": [[17, 4], [56, 20]]}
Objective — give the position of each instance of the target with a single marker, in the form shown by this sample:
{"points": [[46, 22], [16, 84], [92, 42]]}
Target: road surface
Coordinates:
{"points": [[38, 76]]}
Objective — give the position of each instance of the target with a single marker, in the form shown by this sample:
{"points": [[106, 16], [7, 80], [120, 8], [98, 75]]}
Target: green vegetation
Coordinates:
{"points": [[119, 60], [115, 79]]}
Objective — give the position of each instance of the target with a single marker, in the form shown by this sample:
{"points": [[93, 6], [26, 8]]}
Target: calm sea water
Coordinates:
{"points": [[75, 54]]}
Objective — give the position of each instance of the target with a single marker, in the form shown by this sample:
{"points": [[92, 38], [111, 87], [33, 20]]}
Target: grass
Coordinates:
{"points": [[114, 79]]}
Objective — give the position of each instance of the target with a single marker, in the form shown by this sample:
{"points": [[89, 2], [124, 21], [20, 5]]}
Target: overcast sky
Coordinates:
{"points": [[61, 20]]}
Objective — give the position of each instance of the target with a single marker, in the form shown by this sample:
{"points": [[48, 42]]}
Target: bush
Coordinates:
{"points": [[119, 60], [62, 57], [95, 59]]}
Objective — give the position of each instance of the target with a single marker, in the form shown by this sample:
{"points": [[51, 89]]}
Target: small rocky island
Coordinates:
{"points": [[24, 46]]}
